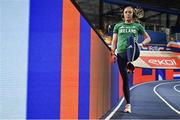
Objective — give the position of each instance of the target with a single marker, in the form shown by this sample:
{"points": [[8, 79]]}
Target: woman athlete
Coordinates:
{"points": [[124, 42]]}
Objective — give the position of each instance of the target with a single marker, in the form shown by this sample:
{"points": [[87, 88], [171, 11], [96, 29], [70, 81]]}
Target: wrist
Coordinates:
{"points": [[112, 52], [142, 44]]}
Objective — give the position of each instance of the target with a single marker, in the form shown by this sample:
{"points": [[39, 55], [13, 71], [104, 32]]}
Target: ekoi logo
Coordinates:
{"points": [[166, 62], [162, 62]]}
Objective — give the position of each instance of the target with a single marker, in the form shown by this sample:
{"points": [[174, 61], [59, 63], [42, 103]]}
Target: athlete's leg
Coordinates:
{"points": [[122, 63], [132, 53]]}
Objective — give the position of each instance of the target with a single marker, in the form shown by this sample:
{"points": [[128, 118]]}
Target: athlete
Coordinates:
{"points": [[125, 48]]}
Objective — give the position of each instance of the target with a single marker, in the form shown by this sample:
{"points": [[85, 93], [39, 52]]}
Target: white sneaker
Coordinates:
{"points": [[127, 108]]}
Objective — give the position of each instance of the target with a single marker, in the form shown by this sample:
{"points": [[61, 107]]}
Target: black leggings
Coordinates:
{"points": [[122, 64], [130, 55]]}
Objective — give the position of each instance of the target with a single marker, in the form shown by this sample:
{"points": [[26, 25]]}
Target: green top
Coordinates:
{"points": [[124, 31]]}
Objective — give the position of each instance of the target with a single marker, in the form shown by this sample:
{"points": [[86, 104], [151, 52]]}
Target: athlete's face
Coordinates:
{"points": [[128, 13]]}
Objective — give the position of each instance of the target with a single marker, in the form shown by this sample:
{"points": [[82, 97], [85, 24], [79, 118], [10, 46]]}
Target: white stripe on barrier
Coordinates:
{"points": [[176, 75]]}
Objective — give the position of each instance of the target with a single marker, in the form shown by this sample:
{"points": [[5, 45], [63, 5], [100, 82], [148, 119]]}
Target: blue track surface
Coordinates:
{"points": [[154, 100]]}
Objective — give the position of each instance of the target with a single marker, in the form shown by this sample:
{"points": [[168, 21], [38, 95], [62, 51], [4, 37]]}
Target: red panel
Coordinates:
{"points": [[148, 78], [161, 62], [138, 78], [169, 74]]}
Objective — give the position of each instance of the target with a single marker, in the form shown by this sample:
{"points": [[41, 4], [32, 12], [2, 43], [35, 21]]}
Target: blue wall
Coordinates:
{"points": [[156, 37]]}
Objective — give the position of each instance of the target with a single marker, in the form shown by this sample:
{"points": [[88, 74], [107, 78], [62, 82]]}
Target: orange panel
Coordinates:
{"points": [[106, 92], [100, 77], [120, 85], [70, 61], [93, 81], [100, 97]]}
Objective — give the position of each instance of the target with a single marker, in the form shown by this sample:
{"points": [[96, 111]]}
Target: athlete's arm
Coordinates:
{"points": [[113, 47], [147, 38], [114, 42]]}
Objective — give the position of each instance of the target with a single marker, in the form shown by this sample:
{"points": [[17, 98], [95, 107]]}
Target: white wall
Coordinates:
{"points": [[14, 22]]}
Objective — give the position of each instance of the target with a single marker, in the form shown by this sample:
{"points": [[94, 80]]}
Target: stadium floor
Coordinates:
{"points": [[153, 100]]}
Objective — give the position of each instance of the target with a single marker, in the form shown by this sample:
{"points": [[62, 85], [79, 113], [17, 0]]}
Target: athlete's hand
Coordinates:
{"points": [[113, 58], [142, 46]]}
